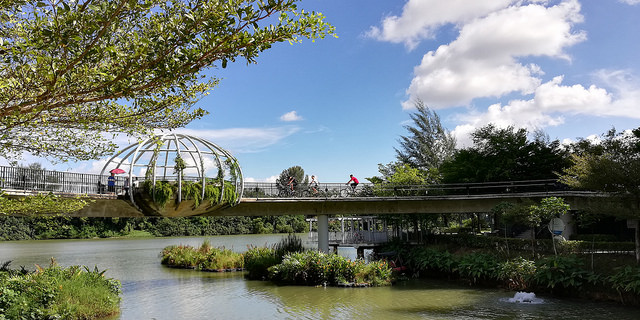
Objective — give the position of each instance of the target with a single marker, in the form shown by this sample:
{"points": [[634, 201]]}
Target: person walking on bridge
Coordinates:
{"points": [[354, 181]]}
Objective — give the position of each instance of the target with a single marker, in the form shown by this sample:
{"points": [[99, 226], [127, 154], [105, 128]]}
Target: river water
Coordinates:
{"points": [[151, 291]]}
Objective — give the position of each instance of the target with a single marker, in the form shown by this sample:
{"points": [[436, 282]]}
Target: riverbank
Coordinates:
{"points": [[607, 277]]}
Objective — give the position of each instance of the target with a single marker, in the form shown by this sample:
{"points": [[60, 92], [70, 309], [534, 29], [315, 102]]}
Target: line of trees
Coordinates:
{"points": [[610, 164], [65, 227]]}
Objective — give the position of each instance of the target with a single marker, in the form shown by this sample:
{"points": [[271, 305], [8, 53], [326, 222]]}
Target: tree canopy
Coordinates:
{"points": [[611, 165], [429, 143], [71, 71], [505, 154]]}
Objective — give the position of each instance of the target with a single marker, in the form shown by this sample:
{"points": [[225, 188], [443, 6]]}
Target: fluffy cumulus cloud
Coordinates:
{"points": [[491, 58], [484, 60], [552, 101], [421, 18], [290, 116]]}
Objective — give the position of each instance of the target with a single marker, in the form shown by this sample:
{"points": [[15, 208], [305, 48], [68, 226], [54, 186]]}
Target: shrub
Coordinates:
{"points": [[517, 273], [57, 293], [257, 261], [564, 272], [427, 259], [317, 268], [203, 258], [478, 266], [626, 280]]}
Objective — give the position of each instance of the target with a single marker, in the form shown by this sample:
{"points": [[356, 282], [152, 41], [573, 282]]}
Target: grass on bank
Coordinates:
{"points": [[57, 293]]}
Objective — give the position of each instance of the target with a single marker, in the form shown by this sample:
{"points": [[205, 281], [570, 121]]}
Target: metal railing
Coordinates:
{"points": [[334, 190], [35, 180]]}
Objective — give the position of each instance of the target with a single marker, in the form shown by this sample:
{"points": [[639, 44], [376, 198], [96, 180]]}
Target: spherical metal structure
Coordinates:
{"points": [[179, 158]]}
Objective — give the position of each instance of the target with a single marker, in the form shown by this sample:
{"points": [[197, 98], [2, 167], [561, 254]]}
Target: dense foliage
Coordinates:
{"points": [[57, 293], [505, 154], [65, 227], [314, 268], [612, 165], [564, 274], [73, 70], [287, 262]]}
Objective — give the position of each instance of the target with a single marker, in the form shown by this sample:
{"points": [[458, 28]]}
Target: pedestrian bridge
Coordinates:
{"points": [[259, 199]]}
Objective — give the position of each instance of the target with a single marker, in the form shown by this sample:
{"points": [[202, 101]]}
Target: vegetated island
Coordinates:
{"points": [[286, 262]]}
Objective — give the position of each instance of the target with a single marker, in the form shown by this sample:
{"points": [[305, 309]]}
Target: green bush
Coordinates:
{"points": [[57, 293], [317, 268], [517, 273], [203, 258], [428, 259], [626, 280], [564, 272], [476, 267], [258, 260]]}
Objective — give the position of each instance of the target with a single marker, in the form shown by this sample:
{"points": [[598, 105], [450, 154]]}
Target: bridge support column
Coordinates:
{"points": [[323, 233]]}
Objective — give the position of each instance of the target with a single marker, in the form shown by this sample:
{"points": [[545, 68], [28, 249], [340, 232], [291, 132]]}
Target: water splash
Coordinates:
{"points": [[526, 297]]}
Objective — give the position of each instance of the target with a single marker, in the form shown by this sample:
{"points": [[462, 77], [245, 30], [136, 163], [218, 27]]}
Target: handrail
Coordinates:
{"points": [[36, 180]]}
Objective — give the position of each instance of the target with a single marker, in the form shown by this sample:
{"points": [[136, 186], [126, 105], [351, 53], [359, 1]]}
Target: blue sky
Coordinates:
{"points": [[337, 106]]}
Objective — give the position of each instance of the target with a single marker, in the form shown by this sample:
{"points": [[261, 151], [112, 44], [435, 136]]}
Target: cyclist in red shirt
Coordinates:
{"points": [[355, 181]]}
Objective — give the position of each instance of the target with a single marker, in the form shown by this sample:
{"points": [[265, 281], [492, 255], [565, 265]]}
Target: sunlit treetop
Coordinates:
{"points": [[71, 71]]}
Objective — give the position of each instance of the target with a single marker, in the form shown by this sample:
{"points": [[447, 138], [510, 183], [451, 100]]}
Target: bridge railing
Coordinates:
{"points": [[35, 180], [333, 190], [15, 179]]}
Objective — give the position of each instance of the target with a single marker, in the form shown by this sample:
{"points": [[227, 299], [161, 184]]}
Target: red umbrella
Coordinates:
{"points": [[117, 171]]}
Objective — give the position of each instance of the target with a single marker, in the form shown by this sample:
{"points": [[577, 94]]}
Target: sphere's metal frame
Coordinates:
{"points": [[183, 144]]}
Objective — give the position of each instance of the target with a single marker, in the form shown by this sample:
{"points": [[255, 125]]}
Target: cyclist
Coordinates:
{"points": [[292, 183], [314, 184], [354, 181]]}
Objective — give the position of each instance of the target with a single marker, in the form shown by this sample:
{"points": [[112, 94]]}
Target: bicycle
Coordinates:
{"points": [[286, 192], [349, 191]]}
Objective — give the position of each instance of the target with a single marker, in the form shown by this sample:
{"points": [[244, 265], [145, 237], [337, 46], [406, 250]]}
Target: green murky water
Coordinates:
{"points": [[151, 291]]}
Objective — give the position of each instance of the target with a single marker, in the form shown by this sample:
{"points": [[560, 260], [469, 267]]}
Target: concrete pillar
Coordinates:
{"points": [[323, 233]]}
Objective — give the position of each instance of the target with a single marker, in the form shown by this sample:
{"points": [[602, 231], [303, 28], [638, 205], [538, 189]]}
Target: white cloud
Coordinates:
{"points": [[552, 101], [630, 2], [483, 60], [290, 116], [271, 179], [244, 140], [420, 18]]}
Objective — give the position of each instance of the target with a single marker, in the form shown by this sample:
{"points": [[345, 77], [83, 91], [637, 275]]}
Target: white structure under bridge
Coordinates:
{"points": [[359, 232]]}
